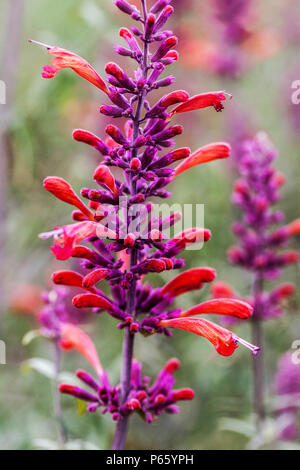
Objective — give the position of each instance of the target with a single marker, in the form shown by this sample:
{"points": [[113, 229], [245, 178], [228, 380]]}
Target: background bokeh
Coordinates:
{"points": [[35, 141]]}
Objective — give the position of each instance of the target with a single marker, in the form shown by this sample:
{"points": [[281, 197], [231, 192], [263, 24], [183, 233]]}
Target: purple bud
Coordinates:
{"points": [[159, 5]]}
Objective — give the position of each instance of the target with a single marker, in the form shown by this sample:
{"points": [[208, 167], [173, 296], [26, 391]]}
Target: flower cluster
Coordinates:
{"points": [[287, 387], [148, 400], [126, 239], [261, 246]]}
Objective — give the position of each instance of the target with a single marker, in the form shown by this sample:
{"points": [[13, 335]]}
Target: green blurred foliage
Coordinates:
{"points": [[44, 114]]}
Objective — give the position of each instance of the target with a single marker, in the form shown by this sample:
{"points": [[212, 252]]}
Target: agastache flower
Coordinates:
{"points": [[117, 253], [66, 59]]}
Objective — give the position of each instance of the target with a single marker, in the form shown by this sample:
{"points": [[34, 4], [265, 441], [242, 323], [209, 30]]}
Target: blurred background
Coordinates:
{"points": [[35, 141]]}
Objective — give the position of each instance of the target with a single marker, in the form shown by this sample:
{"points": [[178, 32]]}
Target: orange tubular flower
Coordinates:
{"points": [[204, 100], [65, 59], [293, 228], [70, 235], [73, 337], [70, 278], [221, 289], [190, 236], [92, 301], [61, 189], [229, 307], [189, 280], [224, 341], [204, 154], [95, 276], [104, 176]]}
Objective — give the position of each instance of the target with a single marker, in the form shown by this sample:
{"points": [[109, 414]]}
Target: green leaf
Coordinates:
{"points": [[30, 336]]}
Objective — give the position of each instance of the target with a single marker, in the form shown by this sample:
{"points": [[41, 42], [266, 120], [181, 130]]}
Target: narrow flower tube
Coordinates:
{"points": [[95, 276], [66, 59], [182, 394], [187, 281], [69, 278], [91, 139], [178, 96], [204, 100], [88, 379], [224, 341], [221, 289], [104, 176], [293, 228], [205, 154], [73, 337], [78, 392], [92, 301], [230, 307], [61, 189], [164, 48]]}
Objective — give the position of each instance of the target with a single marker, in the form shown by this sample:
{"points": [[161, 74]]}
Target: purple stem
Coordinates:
{"points": [[128, 344], [258, 363], [58, 412]]}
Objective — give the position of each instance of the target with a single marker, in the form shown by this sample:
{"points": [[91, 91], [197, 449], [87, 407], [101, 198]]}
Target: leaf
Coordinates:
{"points": [[30, 336], [80, 407], [237, 425], [47, 369]]}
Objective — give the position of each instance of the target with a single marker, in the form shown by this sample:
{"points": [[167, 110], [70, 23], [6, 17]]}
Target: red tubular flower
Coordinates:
{"points": [[205, 154], [95, 276], [64, 191], [172, 365], [183, 394], [91, 139], [133, 404], [178, 96], [214, 98], [290, 257], [293, 228], [224, 341], [221, 289], [70, 278], [230, 307], [70, 235], [190, 236], [92, 301], [284, 291], [73, 337], [104, 176], [188, 280], [66, 59], [77, 392]]}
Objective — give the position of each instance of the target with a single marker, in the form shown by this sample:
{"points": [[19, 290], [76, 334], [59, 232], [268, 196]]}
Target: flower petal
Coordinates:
{"points": [[230, 307], [188, 280], [73, 337], [204, 154]]}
